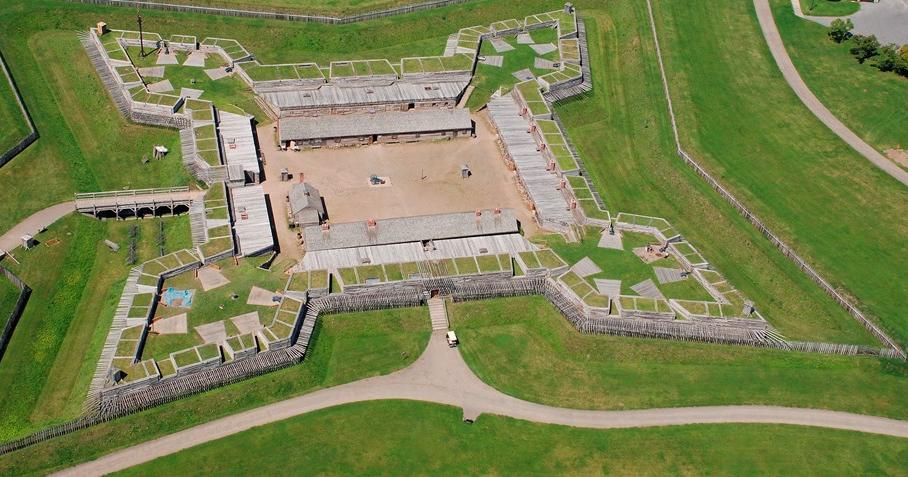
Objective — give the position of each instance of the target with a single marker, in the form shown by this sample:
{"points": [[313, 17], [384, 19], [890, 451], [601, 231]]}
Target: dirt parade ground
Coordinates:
{"points": [[422, 178]]}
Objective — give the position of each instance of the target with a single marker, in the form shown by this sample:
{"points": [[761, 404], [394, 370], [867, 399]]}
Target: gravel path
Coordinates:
{"points": [[33, 223], [441, 376], [774, 41]]}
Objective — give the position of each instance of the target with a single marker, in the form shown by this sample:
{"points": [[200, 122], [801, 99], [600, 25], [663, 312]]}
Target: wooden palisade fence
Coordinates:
{"points": [[16, 313], [29, 138]]}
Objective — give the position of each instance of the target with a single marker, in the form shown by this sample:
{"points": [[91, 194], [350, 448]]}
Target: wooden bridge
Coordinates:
{"points": [[137, 203]]}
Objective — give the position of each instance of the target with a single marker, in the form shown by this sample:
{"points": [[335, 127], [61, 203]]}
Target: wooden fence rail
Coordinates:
{"points": [[16, 313], [277, 15]]}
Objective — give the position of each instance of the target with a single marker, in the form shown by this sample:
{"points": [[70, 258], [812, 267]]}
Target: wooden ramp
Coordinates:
{"points": [[438, 314], [648, 289]]}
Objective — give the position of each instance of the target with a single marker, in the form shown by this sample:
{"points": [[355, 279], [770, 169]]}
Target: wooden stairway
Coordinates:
{"points": [[438, 314]]}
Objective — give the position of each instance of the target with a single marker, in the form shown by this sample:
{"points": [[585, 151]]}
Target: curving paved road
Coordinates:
{"points": [[777, 48], [440, 375], [35, 222]]}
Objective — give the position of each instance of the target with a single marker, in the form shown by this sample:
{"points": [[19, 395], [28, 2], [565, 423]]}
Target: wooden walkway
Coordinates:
{"points": [[120, 320], [133, 202], [540, 184]]}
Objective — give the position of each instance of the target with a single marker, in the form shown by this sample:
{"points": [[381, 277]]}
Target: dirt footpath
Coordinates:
{"points": [[424, 179]]}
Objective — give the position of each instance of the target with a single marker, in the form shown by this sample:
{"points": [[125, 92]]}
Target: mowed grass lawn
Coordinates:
{"points": [[870, 102], [489, 78], [416, 438], [228, 94], [345, 347], [625, 140], [525, 348], [85, 144], [9, 295], [15, 126], [738, 116], [314, 7], [827, 8], [76, 282]]}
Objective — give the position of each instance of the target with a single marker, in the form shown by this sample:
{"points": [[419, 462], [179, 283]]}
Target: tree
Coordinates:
{"points": [[840, 30], [901, 65], [864, 47], [887, 58]]}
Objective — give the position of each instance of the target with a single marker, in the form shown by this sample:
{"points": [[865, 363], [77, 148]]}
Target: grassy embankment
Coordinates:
{"points": [[525, 348], [827, 8], [624, 265], [737, 115], [214, 305], [489, 78], [420, 439], [15, 126], [228, 94], [76, 282], [868, 101], [9, 294], [624, 137], [305, 7], [346, 347]]}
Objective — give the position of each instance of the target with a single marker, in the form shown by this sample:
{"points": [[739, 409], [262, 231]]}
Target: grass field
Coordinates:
{"points": [[226, 93], [624, 265], [827, 8], [859, 95], [525, 348], [321, 7], [489, 78], [422, 439], [739, 117], [623, 135], [76, 285], [15, 126], [9, 295], [346, 347]]}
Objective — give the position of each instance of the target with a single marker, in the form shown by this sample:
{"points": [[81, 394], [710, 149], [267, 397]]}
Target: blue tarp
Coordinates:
{"points": [[183, 298]]}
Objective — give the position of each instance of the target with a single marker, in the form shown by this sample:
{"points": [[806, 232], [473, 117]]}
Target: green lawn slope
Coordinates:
{"points": [[311, 7], [870, 102], [346, 347], [525, 348], [76, 282], [15, 126], [624, 137], [737, 115], [414, 438]]}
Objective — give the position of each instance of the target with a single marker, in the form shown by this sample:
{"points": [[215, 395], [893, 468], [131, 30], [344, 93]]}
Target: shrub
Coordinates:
{"points": [[864, 47], [886, 59], [840, 30]]}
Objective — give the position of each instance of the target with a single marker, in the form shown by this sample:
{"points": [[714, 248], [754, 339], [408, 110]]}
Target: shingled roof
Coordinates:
{"points": [[411, 229], [388, 122]]}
